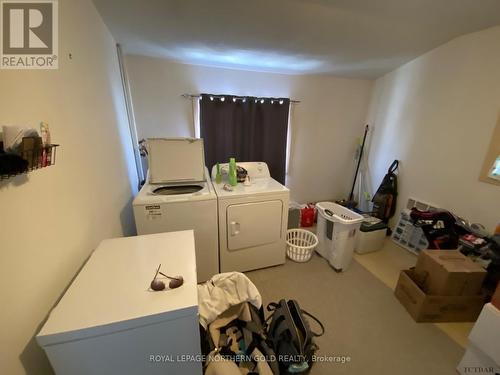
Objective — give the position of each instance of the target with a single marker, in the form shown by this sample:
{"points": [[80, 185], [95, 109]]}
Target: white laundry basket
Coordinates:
{"points": [[300, 244], [337, 230]]}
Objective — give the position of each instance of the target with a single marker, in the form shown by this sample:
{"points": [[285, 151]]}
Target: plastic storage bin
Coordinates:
{"points": [[409, 236], [370, 237], [336, 230]]}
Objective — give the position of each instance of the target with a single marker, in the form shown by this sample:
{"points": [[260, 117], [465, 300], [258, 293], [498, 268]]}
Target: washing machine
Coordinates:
{"points": [[179, 195], [252, 220]]}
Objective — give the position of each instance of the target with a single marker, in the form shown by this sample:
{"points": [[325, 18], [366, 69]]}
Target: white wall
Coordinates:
{"points": [[436, 114], [52, 219], [326, 123]]}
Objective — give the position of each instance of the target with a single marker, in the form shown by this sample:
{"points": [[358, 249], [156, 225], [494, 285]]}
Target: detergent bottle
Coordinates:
{"points": [[232, 177]]}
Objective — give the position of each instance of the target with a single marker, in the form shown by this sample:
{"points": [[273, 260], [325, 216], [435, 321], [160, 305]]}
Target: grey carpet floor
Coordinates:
{"points": [[363, 320]]}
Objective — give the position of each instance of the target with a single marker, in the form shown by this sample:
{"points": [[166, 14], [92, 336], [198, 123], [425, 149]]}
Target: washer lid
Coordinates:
{"points": [[111, 293], [175, 160]]}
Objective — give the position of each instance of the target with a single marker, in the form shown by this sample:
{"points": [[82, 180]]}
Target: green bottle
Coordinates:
{"points": [[218, 175], [233, 180]]}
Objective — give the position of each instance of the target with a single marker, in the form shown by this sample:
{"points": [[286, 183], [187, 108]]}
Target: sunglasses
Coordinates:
{"points": [[157, 285]]}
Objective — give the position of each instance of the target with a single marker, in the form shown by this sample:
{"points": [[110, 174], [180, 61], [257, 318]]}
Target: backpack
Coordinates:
{"points": [[237, 339], [384, 200], [291, 337]]}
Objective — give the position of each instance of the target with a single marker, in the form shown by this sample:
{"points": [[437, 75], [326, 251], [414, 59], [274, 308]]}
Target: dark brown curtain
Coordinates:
{"points": [[248, 129]]}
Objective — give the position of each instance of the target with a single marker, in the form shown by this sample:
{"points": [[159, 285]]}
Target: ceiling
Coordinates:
{"points": [[351, 38]]}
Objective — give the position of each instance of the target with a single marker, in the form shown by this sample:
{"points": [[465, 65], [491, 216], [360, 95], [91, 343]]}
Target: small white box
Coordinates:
{"points": [[475, 361], [485, 334]]}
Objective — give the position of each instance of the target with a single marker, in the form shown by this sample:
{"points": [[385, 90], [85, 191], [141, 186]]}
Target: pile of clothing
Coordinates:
{"points": [[236, 339]]}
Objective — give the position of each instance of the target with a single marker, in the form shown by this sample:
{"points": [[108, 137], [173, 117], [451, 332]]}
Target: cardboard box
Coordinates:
{"points": [[431, 308], [485, 334], [495, 300], [448, 273]]}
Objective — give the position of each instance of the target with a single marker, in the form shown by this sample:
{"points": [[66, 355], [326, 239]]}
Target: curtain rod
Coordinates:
{"points": [[191, 96]]}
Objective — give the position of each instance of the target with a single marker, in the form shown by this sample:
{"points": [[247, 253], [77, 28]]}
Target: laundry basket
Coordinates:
{"points": [[337, 229], [300, 244]]}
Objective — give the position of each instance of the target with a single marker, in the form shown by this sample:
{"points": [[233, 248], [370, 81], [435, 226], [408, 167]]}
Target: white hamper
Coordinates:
{"points": [[337, 229]]}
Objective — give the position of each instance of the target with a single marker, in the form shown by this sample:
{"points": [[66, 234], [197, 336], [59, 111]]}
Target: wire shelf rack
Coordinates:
{"points": [[30, 160]]}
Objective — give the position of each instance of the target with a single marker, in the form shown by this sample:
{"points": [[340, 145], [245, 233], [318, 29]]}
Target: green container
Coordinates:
{"points": [[218, 175], [232, 177]]}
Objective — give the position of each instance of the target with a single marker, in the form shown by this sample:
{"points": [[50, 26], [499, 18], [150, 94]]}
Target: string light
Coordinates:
{"points": [[244, 99]]}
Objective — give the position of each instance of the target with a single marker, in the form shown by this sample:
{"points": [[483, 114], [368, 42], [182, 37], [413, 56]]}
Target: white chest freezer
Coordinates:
{"points": [[109, 321]]}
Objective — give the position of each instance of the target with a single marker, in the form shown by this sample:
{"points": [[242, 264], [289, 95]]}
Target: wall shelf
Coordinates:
{"points": [[27, 160]]}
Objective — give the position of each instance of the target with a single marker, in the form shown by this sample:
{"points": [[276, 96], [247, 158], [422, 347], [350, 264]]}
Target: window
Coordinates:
{"points": [[490, 171], [246, 128], [495, 169]]}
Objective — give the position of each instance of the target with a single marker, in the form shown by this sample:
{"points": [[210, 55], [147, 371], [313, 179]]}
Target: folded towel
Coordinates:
{"points": [[13, 136]]}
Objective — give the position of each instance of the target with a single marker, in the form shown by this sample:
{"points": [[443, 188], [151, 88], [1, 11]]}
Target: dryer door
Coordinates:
{"points": [[253, 224]]}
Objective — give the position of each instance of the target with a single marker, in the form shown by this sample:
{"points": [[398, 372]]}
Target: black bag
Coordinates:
{"points": [[248, 336], [291, 337], [384, 200]]}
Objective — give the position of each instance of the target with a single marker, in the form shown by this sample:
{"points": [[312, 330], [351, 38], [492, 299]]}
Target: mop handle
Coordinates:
{"points": [[359, 162]]}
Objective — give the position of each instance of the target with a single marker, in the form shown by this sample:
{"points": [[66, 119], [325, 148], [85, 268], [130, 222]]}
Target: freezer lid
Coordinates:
{"points": [[175, 160], [111, 293]]}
